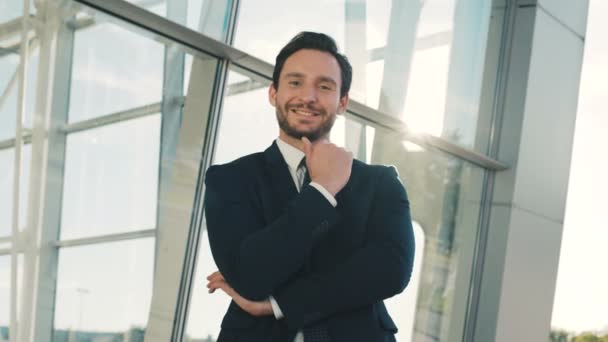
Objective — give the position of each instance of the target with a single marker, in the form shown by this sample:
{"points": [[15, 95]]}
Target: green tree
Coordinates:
{"points": [[587, 337]]}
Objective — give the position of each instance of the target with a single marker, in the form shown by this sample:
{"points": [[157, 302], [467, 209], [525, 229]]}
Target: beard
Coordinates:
{"points": [[313, 135]]}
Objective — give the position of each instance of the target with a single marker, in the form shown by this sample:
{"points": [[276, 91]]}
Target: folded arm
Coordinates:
{"points": [[378, 270], [256, 258]]}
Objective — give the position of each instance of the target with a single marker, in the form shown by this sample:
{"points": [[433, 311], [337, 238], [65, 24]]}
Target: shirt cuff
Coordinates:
{"points": [[276, 310], [325, 194]]}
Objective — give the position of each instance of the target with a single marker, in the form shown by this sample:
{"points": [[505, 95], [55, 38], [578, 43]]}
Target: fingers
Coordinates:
{"points": [[307, 146], [222, 285], [215, 276]]}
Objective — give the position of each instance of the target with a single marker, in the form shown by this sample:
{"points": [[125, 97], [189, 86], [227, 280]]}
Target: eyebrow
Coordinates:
{"points": [[321, 78], [294, 74]]}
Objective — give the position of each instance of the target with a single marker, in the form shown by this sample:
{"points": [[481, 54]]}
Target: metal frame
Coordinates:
{"points": [[46, 176], [185, 36], [109, 119], [481, 241], [145, 233], [197, 227]]}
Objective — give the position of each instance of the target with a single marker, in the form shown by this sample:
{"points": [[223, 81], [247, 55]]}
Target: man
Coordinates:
{"points": [[308, 261]]}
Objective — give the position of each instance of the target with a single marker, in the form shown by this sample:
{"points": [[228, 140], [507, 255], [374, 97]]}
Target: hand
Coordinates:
{"points": [[328, 165], [217, 281]]}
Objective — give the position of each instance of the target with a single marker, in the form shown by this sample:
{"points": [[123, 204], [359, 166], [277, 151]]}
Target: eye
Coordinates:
{"points": [[293, 83], [326, 87]]}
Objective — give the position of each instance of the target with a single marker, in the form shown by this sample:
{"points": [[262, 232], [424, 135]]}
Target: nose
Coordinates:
{"points": [[308, 94]]}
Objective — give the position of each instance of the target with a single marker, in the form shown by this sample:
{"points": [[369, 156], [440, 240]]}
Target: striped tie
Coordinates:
{"points": [[302, 174]]}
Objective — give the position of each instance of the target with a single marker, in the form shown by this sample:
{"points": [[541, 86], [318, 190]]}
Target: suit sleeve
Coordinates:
{"points": [[378, 270], [254, 257]]}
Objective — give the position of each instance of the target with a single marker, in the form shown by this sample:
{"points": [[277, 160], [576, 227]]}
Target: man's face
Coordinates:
{"points": [[308, 96]]}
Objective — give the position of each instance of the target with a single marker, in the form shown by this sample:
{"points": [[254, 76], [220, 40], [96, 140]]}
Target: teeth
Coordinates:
{"points": [[302, 112]]}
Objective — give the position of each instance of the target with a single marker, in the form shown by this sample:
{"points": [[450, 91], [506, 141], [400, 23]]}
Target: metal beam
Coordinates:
{"points": [[11, 31], [11, 37], [243, 87], [26, 138], [374, 117], [192, 39], [145, 233], [111, 118]]}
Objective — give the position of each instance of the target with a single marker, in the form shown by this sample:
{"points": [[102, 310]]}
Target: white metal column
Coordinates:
{"points": [[15, 323], [46, 24]]}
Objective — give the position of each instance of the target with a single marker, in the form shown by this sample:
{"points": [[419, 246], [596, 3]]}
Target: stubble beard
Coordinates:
{"points": [[314, 135]]}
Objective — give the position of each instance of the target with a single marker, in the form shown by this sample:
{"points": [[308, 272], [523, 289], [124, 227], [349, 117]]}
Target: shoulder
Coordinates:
{"points": [[382, 179], [234, 172], [375, 171]]}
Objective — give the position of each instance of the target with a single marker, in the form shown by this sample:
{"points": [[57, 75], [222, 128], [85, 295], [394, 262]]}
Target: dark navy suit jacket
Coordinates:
{"points": [[323, 265]]}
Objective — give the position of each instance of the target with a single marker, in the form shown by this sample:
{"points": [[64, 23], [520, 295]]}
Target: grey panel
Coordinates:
{"points": [[548, 125], [572, 14], [530, 272]]}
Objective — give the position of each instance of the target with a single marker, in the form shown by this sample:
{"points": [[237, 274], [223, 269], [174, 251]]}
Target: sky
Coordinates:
{"points": [[581, 299]]}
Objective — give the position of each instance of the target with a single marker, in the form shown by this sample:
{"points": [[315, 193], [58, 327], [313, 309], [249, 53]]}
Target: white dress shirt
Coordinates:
{"points": [[293, 157]]}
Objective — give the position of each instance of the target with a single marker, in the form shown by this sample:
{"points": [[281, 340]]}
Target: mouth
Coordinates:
{"points": [[304, 112]]}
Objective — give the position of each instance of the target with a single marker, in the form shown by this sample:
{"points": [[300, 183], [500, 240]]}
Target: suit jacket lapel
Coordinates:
{"points": [[279, 182]]}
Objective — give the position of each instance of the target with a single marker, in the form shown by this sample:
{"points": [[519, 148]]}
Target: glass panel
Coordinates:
{"points": [[5, 296], [205, 16], [243, 94], [10, 10], [5, 293], [8, 68], [206, 310], [111, 177], [403, 306], [9, 83], [9, 86], [104, 291], [238, 124], [113, 70], [422, 61], [444, 194], [7, 158]]}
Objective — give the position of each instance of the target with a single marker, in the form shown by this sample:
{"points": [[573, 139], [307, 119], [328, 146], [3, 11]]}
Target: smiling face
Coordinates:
{"points": [[307, 98]]}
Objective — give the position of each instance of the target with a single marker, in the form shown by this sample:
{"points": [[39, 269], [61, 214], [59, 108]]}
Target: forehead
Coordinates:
{"points": [[313, 64]]}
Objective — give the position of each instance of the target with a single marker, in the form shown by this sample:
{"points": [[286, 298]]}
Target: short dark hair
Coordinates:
{"points": [[314, 41]]}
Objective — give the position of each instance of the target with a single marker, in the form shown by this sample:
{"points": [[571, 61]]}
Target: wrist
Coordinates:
{"points": [[262, 309], [331, 188], [265, 308]]}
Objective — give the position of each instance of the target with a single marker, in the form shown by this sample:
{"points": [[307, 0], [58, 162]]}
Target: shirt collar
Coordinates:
{"points": [[292, 155]]}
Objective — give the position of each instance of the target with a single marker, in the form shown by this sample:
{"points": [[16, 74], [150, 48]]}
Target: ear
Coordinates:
{"points": [[343, 104], [272, 95]]}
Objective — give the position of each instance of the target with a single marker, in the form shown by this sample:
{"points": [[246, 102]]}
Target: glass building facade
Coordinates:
{"points": [[111, 111]]}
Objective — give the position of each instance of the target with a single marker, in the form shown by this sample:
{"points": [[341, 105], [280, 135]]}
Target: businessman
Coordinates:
{"points": [[308, 241]]}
